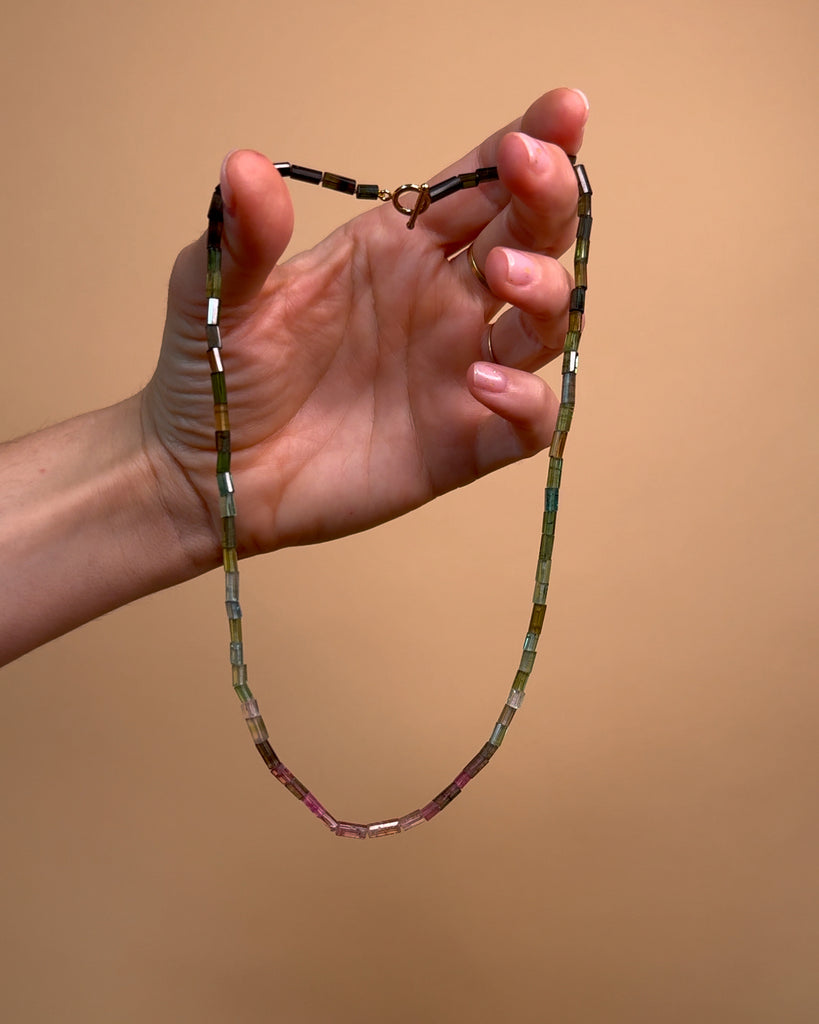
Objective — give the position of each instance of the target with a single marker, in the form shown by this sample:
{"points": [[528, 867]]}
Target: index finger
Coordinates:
{"points": [[558, 117]]}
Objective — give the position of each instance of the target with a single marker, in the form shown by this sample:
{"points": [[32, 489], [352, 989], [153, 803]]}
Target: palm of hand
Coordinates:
{"points": [[347, 392]]}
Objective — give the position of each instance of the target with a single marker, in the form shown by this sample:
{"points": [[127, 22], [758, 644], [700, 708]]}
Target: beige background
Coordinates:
{"points": [[644, 847]]}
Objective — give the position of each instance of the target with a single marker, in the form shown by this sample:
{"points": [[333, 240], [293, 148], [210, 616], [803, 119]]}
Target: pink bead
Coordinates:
{"points": [[349, 830], [283, 773], [383, 828], [410, 820], [320, 812], [430, 810]]}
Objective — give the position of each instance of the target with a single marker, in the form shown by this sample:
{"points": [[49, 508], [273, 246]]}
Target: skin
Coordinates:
{"points": [[357, 382]]}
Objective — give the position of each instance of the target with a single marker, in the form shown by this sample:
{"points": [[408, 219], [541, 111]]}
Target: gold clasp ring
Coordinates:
{"points": [[421, 203]]}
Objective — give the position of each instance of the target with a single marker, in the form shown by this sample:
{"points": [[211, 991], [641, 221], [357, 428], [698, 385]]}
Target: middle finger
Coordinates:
{"points": [[540, 216]]}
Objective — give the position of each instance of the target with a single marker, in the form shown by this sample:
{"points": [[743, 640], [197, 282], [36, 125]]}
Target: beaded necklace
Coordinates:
{"points": [[424, 195]]}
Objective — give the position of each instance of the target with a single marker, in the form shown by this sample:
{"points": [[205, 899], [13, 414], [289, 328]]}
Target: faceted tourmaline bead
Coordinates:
{"points": [[479, 761], [497, 734], [290, 782], [219, 387], [487, 174], [515, 698], [506, 715], [320, 812], [567, 392], [408, 821], [337, 183], [445, 188], [232, 585], [221, 416], [351, 830], [430, 810], [215, 360], [268, 755], [383, 828], [257, 729], [446, 796], [307, 174], [582, 180], [564, 417], [228, 532]]}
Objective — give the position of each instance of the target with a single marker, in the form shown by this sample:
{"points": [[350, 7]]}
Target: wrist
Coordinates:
{"points": [[86, 525], [180, 511]]}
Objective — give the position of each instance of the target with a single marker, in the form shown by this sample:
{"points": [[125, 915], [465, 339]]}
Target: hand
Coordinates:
{"points": [[356, 372]]}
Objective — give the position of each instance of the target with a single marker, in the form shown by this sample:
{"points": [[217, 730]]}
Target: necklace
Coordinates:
{"points": [[424, 195]]}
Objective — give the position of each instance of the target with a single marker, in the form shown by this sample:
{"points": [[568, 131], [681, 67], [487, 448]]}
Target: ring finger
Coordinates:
{"points": [[531, 333]]}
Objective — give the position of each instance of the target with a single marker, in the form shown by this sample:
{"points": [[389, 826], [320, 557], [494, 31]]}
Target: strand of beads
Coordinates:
{"points": [[424, 195]]}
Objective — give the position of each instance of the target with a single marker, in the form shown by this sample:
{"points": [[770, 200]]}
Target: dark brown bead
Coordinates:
{"points": [[337, 183], [445, 188], [446, 796], [215, 209], [219, 387], [228, 532], [584, 227], [268, 755], [537, 617], [307, 174], [487, 174]]}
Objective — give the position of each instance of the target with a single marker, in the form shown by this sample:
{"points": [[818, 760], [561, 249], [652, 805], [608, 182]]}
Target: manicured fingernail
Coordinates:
{"points": [[585, 99], [520, 268], [227, 191], [488, 377]]}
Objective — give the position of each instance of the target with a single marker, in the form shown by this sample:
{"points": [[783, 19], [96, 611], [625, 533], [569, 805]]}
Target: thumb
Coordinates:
{"points": [[258, 222]]}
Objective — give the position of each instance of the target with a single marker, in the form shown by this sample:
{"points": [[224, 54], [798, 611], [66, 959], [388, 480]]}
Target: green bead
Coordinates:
{"points": [[257, 729], [243, 692], [564, 417], [506, 715], [219, 387], [522, 678], [527, 661], [536, 618], [497, 735]]}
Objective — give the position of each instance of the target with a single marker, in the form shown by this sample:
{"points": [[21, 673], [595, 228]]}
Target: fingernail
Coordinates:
{"points": [[227, 191], [585, 99], [488, 377], [537, 150], [520, 268]]}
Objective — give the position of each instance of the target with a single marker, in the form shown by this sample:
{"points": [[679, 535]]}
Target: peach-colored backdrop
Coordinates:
{"points": [[644, 847]]}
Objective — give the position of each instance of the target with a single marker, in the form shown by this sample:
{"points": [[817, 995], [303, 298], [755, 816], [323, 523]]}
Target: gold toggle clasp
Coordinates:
{"points": [[421, 203]]}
